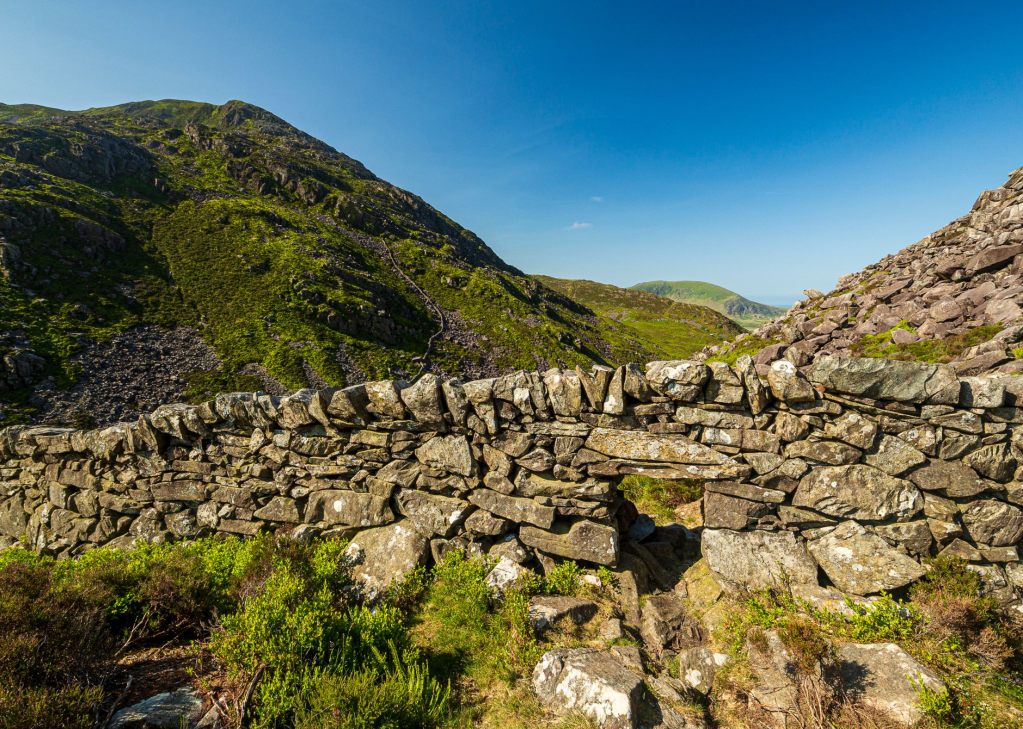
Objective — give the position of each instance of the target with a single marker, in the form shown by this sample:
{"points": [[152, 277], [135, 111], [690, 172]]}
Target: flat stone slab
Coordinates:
{"points": [[169, 710]]}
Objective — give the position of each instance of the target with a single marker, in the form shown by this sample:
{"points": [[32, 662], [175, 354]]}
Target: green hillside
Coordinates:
{"points": [[671, 329], [281, 252], [750, 314]]}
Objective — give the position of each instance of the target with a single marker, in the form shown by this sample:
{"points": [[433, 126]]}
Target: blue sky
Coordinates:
{"points": [[765, 147]]}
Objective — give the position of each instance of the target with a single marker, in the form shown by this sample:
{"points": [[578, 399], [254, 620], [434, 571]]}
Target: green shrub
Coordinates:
{"points": [[395, 694], [563, 579], [660, 498], [885, 619], [70, 707]]}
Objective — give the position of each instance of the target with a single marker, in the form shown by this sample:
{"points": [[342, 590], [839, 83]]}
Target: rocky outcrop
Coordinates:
{"points": [[957, 294], [843, 491]]}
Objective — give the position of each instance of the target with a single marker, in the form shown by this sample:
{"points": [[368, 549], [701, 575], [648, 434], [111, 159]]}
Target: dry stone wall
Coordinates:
{"points": [[848, 478]]}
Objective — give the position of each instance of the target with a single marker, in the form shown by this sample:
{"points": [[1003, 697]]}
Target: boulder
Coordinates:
{"points": [[758, 559], [169, 710], [728, 512], [756, 392], [439, 516], [862, 563], [591, 683], [858, 492], [547, 610], [535, 484], [993, 461], [386, 554], [885, 678], [579, 539], [885, 379], [384, 399]]}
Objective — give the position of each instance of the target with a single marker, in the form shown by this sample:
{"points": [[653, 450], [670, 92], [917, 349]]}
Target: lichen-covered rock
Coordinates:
{"points": [[884, 379], [993, 522], [862, 563], [579, 539], [858, 492], [789, 384], [432, 515], [883, 677], [641, 446], [591, 683], [386, 554], [894, 456], [423, 400], [169, 710], [449, 453], [952, 478], [697, 668], [349, 508], [548, 610], [518, 510], [758, 559]]}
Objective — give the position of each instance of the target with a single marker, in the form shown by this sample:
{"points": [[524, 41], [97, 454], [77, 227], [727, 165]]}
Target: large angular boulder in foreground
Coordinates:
{"points": [[591, 683], [883, 677], [386, 554], [862, 563], [758, 560], [885, 379]]}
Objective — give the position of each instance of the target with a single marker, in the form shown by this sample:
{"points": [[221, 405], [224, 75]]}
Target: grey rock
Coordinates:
{"points": [[894, 456], [858, 492], [862, 563], [169, 710], [579, 539], [698, 667], [564, 389], [883, 379], [993, 522], [432, 515], [758, 559], [546, 611], [350, 508], [423, 400], [518, 510], [831, 452], [854, 429], [885, 678], [591, 683], [386, 554], [638, 445], [789, 384], [953, 478], [450, 453]]}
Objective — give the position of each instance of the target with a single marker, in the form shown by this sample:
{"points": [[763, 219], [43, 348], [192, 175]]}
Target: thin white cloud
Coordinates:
{"points": [[577, 225], [597, 198]]}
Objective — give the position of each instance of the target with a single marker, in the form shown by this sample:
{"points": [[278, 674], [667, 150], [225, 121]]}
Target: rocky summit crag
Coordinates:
{"points": [[157, 251], [954, 297]]}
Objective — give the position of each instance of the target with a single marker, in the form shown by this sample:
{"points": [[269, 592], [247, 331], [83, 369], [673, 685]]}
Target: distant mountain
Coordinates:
{"points": [[669, 329], [167, 249], [749, 314]]}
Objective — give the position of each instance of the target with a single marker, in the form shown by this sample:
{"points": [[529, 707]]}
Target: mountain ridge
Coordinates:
{"points": [[249, 244]]}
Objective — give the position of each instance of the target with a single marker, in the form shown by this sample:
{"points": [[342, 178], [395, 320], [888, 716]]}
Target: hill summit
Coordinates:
{"points": [[748, 314], [954, 297]]}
